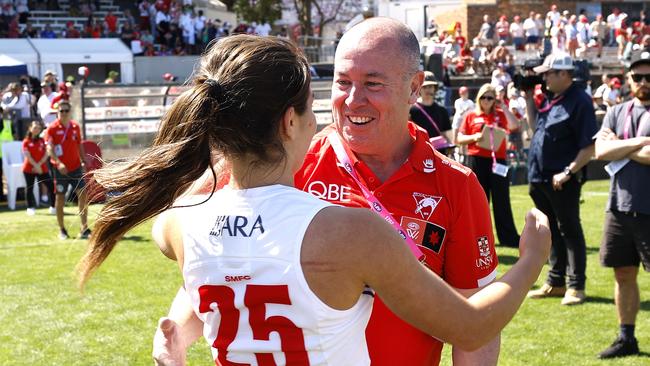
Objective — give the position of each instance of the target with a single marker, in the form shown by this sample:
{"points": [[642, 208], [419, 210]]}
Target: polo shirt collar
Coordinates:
{"points": [[422, 156]]}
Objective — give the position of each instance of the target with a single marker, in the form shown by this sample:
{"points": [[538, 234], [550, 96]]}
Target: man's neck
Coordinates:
{"points": [[426, 101], [645, 103], [562, 91], [63, 122], [387, 162]]}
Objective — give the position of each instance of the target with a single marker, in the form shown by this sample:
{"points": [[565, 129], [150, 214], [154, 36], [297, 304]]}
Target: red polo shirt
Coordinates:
{"points": [[69, 137], [36, 149], [473, 123], [440, 204]]}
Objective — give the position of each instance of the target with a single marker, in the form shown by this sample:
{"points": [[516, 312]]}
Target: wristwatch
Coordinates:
{"points": [[568, 172]]}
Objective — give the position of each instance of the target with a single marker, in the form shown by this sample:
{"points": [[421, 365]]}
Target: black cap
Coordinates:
{"points": [[640, 58]]}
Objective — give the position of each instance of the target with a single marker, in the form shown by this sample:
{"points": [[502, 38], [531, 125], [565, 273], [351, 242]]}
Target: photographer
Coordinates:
{"points": [[562, 144], [18, 102]]}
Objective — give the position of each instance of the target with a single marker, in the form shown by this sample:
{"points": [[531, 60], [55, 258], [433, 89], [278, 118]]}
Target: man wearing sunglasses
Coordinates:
{"points": [[561, 145], [624, 139], [63, 138]]}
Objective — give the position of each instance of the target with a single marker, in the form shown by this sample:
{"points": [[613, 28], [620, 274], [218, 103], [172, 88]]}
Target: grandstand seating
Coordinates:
{"points": [[57, 19]]}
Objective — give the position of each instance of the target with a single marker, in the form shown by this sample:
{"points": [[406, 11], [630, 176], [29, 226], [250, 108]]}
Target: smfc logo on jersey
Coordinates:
{"points": [[236, 226]]}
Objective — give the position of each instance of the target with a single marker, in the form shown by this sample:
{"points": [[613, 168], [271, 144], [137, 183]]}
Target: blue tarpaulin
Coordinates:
{"points": [[11, 66]]}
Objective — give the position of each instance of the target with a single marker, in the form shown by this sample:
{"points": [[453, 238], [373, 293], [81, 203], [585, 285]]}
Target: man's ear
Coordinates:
{"points": [[288, 124], [416, 85]]}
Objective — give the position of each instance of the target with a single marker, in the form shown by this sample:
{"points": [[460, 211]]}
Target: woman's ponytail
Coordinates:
{"points": [[142, 188]]}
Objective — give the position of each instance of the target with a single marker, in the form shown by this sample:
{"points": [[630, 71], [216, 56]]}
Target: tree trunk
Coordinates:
{"points": [[307, 28]]}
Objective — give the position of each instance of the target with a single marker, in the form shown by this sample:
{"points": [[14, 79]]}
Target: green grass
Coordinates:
{"points": [[46, 321]]}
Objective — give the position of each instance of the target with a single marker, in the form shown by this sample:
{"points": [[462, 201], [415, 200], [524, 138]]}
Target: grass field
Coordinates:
{"points": [[46, 321]]}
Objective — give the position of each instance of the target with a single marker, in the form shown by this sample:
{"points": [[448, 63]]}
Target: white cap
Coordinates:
{"points": [[556, 61]]}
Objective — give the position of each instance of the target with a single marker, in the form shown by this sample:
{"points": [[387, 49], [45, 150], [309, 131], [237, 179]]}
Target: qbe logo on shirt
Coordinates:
{"points": [[329, 192]]}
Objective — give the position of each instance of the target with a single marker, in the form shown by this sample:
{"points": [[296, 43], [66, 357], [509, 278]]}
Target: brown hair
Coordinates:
{"points": [[251, 82], [29, 136]]}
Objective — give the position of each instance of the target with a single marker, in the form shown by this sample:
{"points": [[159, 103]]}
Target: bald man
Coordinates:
{"points": [[438, 203]]}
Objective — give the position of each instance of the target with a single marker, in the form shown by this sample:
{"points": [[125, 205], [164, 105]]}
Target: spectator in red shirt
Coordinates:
{"points": [[96, 31], [110, 22], [66, 154], [490, 165], [14, 28], [35, 167], [71, 31], [503, 28]]}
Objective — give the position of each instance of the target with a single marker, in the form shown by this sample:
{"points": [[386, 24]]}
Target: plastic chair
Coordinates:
{"points": [[93, 160], [12, 168]]}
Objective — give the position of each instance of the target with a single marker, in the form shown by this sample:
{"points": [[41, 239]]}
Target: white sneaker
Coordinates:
{"points": [[52, 211], [31, 212]]}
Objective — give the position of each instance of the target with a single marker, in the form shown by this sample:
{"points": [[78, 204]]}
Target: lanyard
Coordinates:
{"points": [[494, 156], [65, 134], [628, 121], [435, 125], [551, 104], [344, 159]]}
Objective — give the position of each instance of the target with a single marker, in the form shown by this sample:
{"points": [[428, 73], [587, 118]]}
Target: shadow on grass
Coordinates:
{"points": [[507, 259], [645, 305], [598, 299], [135, 238]]}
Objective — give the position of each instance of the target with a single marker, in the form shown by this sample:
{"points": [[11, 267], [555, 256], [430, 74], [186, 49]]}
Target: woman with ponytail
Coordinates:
{"points": [[258, 256]]}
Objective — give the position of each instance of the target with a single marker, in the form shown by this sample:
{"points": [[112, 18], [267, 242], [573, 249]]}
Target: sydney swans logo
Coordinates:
{"points": [[425, 204]]}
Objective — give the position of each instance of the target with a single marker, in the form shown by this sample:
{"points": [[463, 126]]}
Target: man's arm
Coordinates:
{"points": [[19, 102], [531, 110], [641, 156], [50, 152], [176, 332], [583, 157], [610, 147], [487, 355], [82, 154]]}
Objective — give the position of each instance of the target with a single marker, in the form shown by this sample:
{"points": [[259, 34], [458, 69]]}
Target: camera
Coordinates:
{"points": [[581, 73], [527, 79]]}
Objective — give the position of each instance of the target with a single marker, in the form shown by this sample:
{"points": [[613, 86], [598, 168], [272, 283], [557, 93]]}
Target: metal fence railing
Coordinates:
{"points": [[317, 49]]}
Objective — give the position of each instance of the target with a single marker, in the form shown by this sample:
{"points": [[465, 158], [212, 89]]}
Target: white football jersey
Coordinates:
{"points": [[242, 272]]}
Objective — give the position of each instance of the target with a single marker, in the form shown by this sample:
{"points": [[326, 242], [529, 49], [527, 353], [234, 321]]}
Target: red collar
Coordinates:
{"points": [[422, 154]]}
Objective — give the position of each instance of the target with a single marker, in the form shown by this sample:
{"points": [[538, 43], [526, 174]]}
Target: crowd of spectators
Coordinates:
{"points": [[498, 44], [162, 27]]}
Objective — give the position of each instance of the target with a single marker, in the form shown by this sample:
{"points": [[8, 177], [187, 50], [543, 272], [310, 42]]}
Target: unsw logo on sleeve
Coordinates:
{"points": [[485, 260]]}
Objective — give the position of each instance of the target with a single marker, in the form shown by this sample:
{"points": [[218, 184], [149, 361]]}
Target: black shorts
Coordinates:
{"points": [[626, 240], [73, 178]]}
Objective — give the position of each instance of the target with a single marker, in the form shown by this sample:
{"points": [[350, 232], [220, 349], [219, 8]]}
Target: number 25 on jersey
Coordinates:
{"points": [[255, 299]]}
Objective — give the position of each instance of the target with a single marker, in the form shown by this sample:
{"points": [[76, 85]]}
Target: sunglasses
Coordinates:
{"points": [[638, 77], [64, 110], [488, 98]]}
